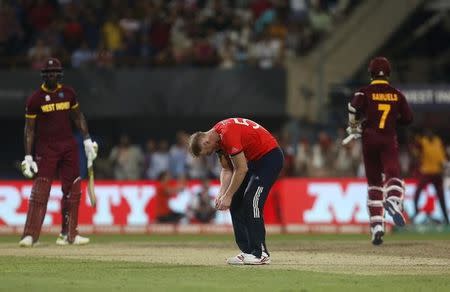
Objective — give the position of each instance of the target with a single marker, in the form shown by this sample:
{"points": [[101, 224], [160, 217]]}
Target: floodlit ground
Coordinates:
{"points": [[193, 263]]}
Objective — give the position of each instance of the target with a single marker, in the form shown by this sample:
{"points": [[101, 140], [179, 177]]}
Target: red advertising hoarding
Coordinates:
{"points": [[294, 205]]}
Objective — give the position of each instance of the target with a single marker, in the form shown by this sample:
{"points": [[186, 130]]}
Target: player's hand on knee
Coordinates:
{"points": [[29, 167], [91, 149]]}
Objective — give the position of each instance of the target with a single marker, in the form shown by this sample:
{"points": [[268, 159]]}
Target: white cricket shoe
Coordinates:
{"points": [[377, 234], [250, 259], [79, 240], [394, 207], [236, 260], [27, 241]]}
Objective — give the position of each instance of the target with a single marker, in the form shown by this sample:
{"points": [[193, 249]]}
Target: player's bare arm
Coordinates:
{"points": [[28, 135], [240, 169], [225, 173], [80, 122], [29, 166]]}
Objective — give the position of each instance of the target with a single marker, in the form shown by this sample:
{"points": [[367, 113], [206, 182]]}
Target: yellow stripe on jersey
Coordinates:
{"points": [[45, 89], [75, 106], [30, 116], [379, 82]]}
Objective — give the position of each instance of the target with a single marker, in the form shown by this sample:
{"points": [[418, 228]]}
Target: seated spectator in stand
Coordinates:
{"points": [[178, 155], [38, 54], [83, 56], [41, 15], [204, 54], [72, 31], [127, 160], [11, 32], [266, 52], [160, 161], [112, 34], [227, 53], [163, 213], [150, 149], [202, 206]]}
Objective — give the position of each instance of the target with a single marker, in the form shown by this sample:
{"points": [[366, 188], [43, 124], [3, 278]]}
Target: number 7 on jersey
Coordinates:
{"points": [[385, 108]]}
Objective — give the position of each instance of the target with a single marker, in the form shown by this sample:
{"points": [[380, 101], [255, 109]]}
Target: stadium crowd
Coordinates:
{"points": [[106, 34], [316, 153]]}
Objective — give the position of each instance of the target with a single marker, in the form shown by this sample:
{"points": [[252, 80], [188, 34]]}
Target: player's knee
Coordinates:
{"points": [[75, 190], [41, 189], [253, 201]]}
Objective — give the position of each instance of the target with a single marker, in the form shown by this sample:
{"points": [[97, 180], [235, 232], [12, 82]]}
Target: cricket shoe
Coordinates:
{"points": [[250, 259], [392, 205], [377, 234], [237, 260], [79, 240], [27, 241]]}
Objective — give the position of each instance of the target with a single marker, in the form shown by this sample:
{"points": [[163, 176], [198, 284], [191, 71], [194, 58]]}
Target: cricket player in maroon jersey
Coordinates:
{"points": [[251, 161], [374, 113], [48, 134]]}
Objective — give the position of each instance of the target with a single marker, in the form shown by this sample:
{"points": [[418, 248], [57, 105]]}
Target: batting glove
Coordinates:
{"points": [[29, 167], [91, 149], [354, 130]]}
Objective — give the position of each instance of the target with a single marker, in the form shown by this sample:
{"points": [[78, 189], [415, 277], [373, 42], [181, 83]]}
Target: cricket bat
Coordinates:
{"points": [[91, 189]]}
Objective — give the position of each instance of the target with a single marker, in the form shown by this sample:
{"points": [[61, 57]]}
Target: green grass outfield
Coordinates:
{"points": [[406, 262]]}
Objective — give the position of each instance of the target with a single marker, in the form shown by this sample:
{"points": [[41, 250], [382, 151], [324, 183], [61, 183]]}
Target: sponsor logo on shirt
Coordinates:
{"points": [[59, 106]]}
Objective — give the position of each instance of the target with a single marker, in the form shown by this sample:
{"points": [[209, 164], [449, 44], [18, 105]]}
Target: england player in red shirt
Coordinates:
{"points": [[374, 113], [251, 162], [50, 110]]}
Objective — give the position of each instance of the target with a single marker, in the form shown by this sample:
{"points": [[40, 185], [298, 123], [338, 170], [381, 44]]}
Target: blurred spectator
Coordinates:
{"points": [[112, 34], [11, 33], [160, 161], [319, 18], [164, 191], [38, 54], [227, 54], [91, 28], [165, 33], [150, 149], [204, 53], [201, 207], [431, 154], [321, 158], [41, 15], [303, 151], [73, 31], [178, 155], [83, 56], [197, 167], [127, 160], [104, 57], [266, 52]]}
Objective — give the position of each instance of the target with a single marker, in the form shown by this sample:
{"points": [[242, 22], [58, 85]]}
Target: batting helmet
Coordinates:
{"points": [[380, 67], [52, 65]]}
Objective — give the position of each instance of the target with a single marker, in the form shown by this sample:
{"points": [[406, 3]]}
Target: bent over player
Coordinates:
{"points": [[48, 133], [251, 162], [374, 113]]}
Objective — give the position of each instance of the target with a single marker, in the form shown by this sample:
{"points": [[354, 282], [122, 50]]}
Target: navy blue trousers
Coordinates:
{"points": [[248, 202]]}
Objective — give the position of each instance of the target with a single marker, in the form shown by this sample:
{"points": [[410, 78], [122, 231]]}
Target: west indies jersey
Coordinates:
{"points": [[51, 109], [381, 107], [243, 135]]}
